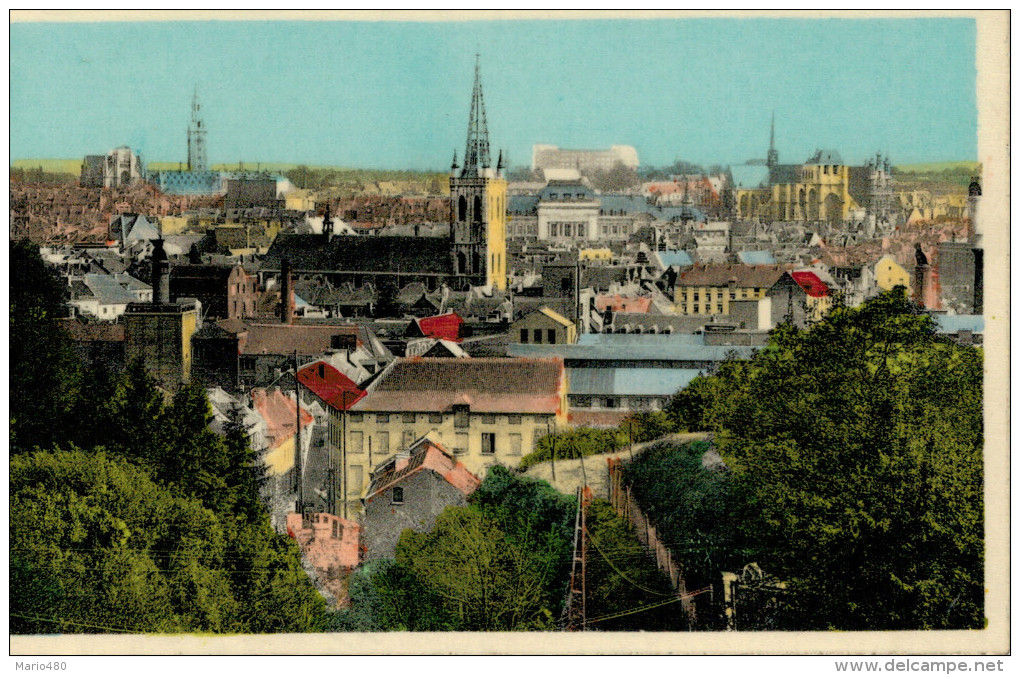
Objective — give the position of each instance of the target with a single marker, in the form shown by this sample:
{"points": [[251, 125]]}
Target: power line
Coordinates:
{"points": [[617, 570]]}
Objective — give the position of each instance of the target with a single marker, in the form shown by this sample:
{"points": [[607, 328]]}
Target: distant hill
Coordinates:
{"points": [[940, 167], [71, 166]]}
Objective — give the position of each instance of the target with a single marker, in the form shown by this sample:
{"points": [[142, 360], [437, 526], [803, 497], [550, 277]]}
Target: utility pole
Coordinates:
{"points": [[297, 445], [575, 610]]}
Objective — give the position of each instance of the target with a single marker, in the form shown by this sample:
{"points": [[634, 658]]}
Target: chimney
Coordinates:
{"points": [[160, 274], [327, 225], [286, 293]]}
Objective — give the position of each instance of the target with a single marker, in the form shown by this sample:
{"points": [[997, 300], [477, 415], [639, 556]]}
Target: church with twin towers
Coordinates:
{"points": [[474, 253]]}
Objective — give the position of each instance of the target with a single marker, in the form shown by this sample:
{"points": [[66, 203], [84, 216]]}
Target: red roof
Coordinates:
{"points": [[279, 412], [621, 303], [432, 456], [333, 387], [442, 327], [810, 282]]}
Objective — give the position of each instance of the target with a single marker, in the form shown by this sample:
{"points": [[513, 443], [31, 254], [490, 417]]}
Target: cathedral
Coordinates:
{"points": [[823, 189], [474, 254]]}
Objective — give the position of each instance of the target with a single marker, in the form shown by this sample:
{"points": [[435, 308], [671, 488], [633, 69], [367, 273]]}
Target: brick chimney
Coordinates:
{"points": [[286, 293]]}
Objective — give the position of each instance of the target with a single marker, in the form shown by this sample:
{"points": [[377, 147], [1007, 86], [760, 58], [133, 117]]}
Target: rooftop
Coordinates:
{"points": [[484, 384]]}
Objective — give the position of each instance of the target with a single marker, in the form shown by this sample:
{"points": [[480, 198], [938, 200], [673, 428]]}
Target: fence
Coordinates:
{"points": [[621, 499]]}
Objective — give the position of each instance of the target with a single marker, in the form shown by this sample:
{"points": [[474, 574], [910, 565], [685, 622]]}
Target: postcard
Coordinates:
{"points": [[509, 333]]}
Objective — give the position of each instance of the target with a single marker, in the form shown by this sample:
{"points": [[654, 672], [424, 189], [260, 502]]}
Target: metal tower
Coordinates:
{"points": [[476, 156], [773, 157], [196, 138]]}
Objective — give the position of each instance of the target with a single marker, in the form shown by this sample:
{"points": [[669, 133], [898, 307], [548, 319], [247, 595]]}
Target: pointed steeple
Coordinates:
{"points": [[773, 157], [196, 137], [476, 155]]}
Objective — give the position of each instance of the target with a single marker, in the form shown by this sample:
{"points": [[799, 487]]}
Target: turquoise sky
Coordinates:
{"points": [[396, 95]]}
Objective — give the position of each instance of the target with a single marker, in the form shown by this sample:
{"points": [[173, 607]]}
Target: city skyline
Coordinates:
{"points": [[391, 95]]}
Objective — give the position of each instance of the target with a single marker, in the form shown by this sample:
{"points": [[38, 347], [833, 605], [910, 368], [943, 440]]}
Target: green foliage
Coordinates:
{"points": [[647, 426], [43, 377], [486, 580], [156, 524], [621, 576], [573, 444], [616, 179], [115, 551], [695, 507], [858, 444], [501, 563]]}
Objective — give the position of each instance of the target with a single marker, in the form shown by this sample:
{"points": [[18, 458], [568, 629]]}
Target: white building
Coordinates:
{"points": [[551, 157], [123, 168]]}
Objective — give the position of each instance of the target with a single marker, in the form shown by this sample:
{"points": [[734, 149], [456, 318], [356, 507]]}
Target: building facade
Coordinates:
{"points": [[551, 157], [487, 411], [708, 289]]}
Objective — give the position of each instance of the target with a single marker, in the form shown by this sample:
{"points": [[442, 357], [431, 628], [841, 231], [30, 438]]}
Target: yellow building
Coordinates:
{"points": [[822, 189], [601, 254], [159, 335], [544, 326], [706, 290], [889, 274], [299, 200], [487, 411]]}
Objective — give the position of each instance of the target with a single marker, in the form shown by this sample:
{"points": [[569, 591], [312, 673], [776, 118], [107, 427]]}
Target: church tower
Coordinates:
{"points": [[772, 161], [478, 204], [196, 138]]}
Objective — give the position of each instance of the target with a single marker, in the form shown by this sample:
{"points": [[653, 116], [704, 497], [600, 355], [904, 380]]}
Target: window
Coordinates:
{"points": [[551, 335], [460, 415], [409, 418], [397, 496], [384, 442], [337, 530], [696, 309], [488, 444], [514, 419], [357, 443], [697, 296], [718, 308], [488, 419], [733, 295], [611, 403], [435, 419], [354, 486], [515, 444], [408, 438], [568, 230], [524, 336], [460, 444], [538, 336], [383, 418], [355, 417], [581, 230]]}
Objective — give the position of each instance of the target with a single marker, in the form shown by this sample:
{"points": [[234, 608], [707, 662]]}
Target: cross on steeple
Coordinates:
{"points": [[476, 155]]}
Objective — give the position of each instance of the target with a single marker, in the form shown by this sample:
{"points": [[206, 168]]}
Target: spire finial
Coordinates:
{"points": [[476, 154]]}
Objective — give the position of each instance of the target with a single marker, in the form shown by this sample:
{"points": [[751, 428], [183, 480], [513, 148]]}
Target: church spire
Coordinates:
{"points": [[476, 155], [196, 137], [773, 157]]}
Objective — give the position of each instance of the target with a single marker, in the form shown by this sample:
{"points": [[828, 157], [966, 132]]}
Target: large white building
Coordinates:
{"points": [[123, 168], [551, 157]]}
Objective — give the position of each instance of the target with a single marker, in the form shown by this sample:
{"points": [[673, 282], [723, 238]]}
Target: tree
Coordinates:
{"points": [[485, 580], [110, 550], [574, 443], [858, 444], [621, 577], [617, 179], [386, 298], [44, 377]]}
